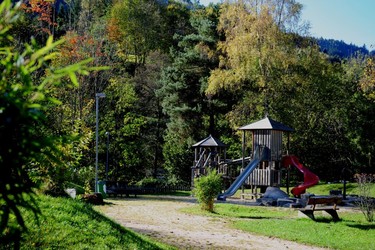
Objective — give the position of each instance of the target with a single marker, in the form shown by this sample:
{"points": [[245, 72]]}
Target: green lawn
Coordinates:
{"points": [[351, 188], [71, 224], [323, 189], [352, 232]]}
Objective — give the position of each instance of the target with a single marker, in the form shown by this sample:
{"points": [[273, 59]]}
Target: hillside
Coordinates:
{"points": [[340, 49], [71, 224]]}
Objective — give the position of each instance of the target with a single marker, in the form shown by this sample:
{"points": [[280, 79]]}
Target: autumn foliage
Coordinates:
{"points": [[367, 83], [44, 12]]}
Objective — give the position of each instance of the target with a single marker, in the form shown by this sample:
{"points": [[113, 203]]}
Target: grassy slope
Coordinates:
{"points": [[351, 189], [71, 224], [352, 232]]}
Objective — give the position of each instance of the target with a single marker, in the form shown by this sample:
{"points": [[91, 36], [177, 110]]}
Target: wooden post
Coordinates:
{"points": [[196, 155], [243, 149], [243, 158], [287, 180]]}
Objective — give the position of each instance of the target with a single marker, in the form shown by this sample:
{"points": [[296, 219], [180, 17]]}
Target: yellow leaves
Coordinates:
{"points": [[216, 81], [256, 51], [223, 80], [367, 82]]}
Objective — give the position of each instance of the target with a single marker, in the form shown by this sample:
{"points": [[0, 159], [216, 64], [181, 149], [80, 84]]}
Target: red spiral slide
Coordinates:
{"points": [[310, 179]]}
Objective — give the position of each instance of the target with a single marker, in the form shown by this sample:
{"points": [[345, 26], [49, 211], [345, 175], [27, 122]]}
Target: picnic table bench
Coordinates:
{"points": [[322, 203]]}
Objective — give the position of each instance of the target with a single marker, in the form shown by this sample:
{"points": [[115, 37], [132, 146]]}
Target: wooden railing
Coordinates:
{"points": [[263, 177]]}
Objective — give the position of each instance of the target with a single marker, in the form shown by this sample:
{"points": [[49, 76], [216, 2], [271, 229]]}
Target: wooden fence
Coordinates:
{"points": [[121, 189]]}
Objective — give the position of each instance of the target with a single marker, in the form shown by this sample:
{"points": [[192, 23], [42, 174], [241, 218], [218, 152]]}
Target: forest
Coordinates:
{"points": [[340, 48], [173, 72]]}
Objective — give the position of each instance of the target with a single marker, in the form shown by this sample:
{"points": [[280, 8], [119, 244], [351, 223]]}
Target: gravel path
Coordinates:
{"points": [[160, 218]]}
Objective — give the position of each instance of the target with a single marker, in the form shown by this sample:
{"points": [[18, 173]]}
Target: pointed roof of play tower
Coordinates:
{"points": [[267, 124], [210, 142]]}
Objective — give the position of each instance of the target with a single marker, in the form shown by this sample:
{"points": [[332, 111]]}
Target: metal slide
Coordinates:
{"points": [[242, 177]]}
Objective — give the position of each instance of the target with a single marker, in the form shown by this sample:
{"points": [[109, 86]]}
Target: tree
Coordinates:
{"points": [[175, 16], [124, 124], [367, 82], [75, 115], [360, 114], [190, 111], [23, 104], [257, 53], [320, 117], [147, 82], [278, 72], [69, 14], [45, 15], [92, 13], [136, 27]]}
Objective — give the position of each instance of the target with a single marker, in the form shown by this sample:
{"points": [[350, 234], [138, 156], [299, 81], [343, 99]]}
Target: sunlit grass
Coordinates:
{"points": [[323, 189], [352, 232], [351, 188], [70, 224]]}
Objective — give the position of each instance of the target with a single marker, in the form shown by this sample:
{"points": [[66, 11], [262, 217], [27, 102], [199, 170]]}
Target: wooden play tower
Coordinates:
{"points": [[265, 133], [260, 170], [208, 153]]}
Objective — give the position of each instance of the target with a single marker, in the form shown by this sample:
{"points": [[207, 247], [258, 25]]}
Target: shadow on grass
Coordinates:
{"points": [[361, 226], [326, 220], [256, 217]]}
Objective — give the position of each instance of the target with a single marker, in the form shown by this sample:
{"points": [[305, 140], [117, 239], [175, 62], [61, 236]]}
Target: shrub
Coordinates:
{"points": [[366, 202], [149, 182], [94, 199], [207, 188]]}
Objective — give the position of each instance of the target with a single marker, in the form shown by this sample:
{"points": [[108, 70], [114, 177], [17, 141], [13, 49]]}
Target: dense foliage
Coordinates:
{"points": [[30, 154]]}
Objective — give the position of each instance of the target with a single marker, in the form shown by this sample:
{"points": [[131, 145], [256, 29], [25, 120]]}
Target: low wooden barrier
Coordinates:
{"points": [[121, 189]]}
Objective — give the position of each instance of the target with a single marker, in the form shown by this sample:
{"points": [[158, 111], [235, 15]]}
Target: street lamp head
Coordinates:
{"points": [[107, 133], [100, 95]]}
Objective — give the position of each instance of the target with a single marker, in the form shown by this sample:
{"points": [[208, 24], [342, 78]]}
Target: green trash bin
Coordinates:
{"points": [[102, 188]]}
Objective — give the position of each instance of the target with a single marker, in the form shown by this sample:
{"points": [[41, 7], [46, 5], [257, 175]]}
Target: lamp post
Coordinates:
{"points": [[97, 96], [107, 162]]}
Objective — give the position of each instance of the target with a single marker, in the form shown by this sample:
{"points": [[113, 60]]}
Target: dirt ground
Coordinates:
{"points": [[160, 218]]}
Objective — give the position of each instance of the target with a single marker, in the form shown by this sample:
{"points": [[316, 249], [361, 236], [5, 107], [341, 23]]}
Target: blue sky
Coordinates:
{"points": [[352, 21]]}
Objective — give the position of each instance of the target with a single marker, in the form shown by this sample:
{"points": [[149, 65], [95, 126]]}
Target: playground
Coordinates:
{"points": [[170, 220], [263, 170]]}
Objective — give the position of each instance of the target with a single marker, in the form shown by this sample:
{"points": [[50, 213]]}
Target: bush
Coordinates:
{"points": [[94, 199], [366, 202], [149, 182], [207, 188]]}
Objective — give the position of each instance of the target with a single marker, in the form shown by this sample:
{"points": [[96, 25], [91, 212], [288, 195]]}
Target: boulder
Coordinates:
{"points": [[275, 193], [95, 199]]}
